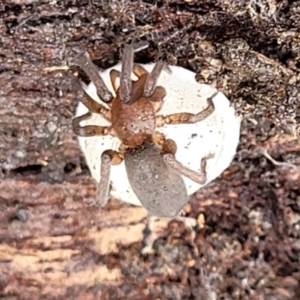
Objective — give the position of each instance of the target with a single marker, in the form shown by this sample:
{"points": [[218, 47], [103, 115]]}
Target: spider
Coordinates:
{"points": [[133, 114]]}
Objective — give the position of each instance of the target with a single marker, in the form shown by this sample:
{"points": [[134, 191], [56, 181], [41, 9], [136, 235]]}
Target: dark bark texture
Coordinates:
{"points": [[55, 245]]}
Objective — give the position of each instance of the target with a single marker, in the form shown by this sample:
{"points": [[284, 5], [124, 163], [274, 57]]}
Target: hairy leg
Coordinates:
{"points": [[127, 68], [89, 130], [139, 71], [152, 78], [108, 157], [168, 153], [85, 63], [157, 93], [114, 75], [187, 117], [157, 105], [157, 98], [125, 77], [95, 107], [136, 89]]}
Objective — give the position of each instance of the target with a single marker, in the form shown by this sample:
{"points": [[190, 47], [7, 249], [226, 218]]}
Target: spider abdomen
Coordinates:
{"points": [[160, 189]]}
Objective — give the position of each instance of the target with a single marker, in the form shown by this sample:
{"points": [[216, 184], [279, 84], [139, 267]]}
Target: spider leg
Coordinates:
{"points": [[168, 153], [152, 78], [108, 157], [125, 77], [135, 91], [89, 130], [94, 106], [187, 117], [139, 71], [127, 68], [85, 63], [157, 96], [157, 105], [114, 75]]}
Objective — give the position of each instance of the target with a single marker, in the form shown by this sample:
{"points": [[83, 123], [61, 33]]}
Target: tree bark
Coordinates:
{"points": [[55, 245]]}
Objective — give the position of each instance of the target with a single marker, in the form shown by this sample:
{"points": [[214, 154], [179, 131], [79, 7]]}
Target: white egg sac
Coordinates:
{"points": [[218, 134]]}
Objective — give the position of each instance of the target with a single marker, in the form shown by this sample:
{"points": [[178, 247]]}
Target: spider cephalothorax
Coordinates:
{"points": [[133, 114]]}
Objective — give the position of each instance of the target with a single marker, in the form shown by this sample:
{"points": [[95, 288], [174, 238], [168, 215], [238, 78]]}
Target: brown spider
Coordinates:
{"points": [[133, 117]]}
